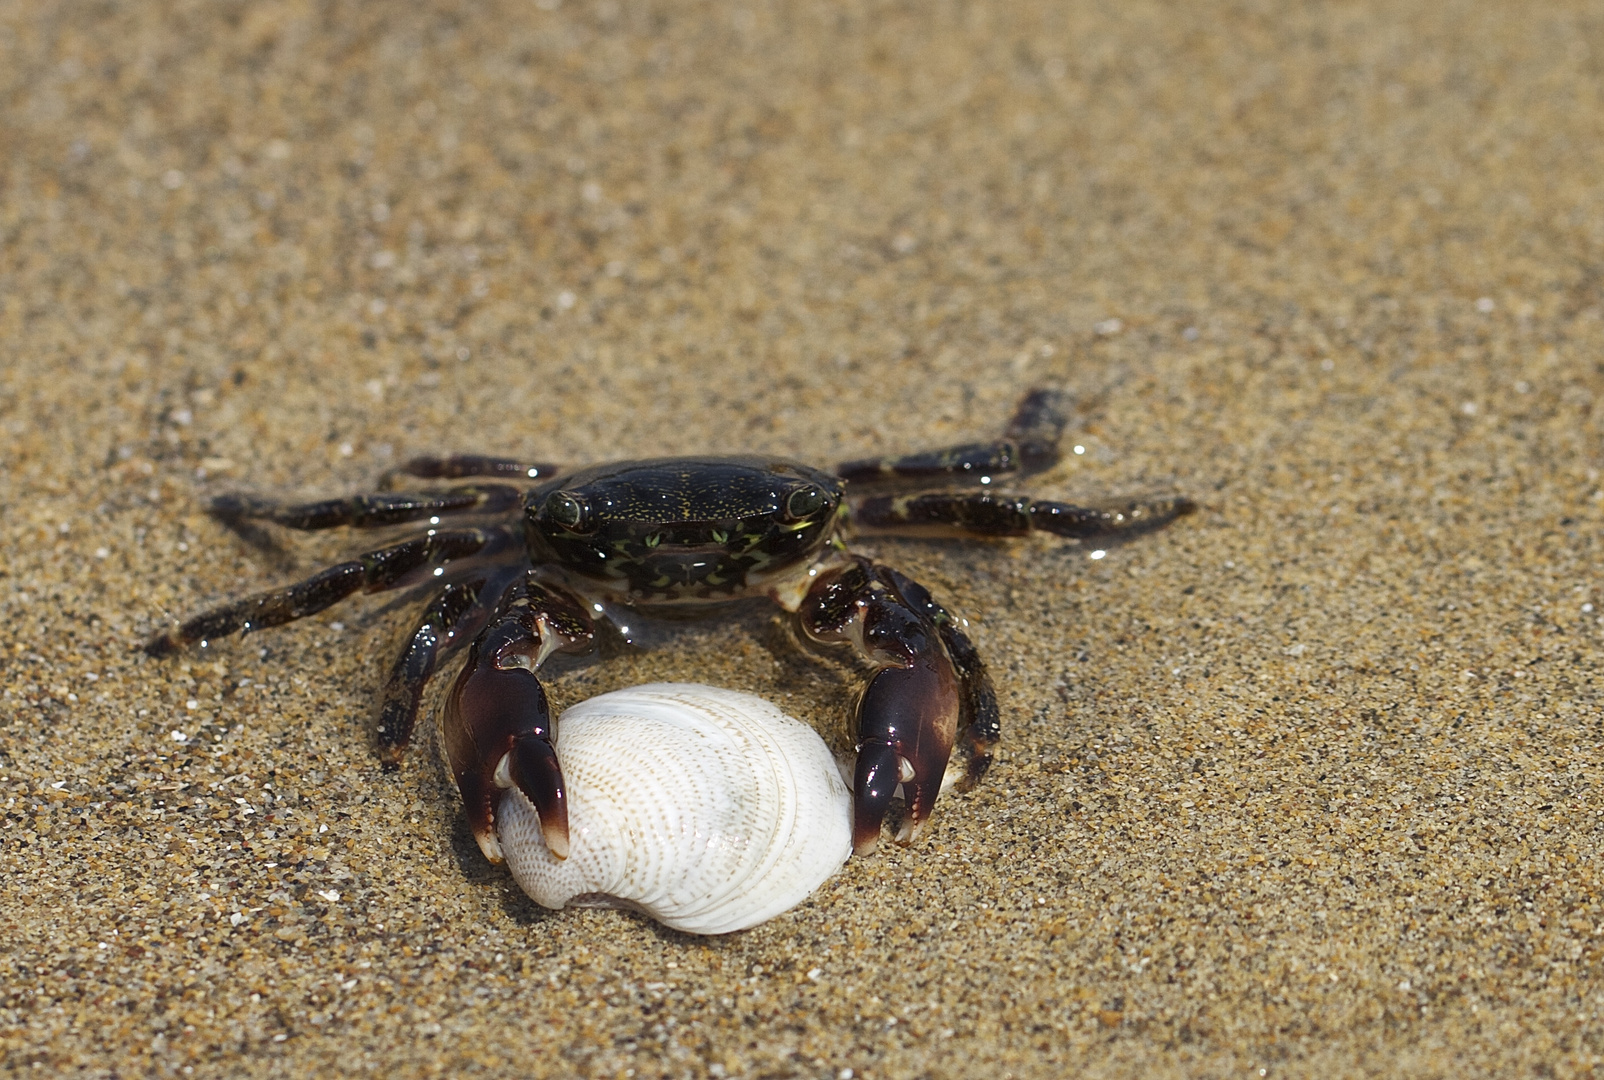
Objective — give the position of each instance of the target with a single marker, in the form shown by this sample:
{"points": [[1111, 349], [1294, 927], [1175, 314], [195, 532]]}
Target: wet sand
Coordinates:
{"points": [[1307, 784]]}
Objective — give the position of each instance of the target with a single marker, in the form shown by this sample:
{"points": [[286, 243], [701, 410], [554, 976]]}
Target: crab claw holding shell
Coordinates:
{"points": [[499, 734]]}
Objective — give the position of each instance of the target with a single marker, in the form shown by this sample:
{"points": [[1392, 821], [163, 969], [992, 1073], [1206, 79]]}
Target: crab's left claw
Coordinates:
{"points": [[907, 721], [929, 682], [499, 734]]}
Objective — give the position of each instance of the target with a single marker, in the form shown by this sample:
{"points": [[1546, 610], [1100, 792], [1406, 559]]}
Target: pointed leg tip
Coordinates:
{"points": [[974, 770], [391, 753], [863, 846], [228, 508], [160, 645]]}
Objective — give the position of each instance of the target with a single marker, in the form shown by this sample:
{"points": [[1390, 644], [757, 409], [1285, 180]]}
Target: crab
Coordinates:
{"points": [[525, 559]]}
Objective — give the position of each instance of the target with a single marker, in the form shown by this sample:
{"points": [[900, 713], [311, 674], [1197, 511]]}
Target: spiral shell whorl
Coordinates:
{"points": [[708, 809]]}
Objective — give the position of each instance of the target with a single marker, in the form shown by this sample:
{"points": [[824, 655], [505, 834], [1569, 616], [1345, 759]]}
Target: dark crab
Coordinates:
{"points": [[679, 532]]}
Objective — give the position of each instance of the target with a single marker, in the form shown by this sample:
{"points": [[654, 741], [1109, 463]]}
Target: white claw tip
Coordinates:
{"points": [[490, 846], [909, 832], [556, 841], [503, 777]]}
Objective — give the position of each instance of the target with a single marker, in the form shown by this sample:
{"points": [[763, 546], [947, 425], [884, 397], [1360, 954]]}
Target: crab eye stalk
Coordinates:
{"points": [[804, 502], [568, 511]]}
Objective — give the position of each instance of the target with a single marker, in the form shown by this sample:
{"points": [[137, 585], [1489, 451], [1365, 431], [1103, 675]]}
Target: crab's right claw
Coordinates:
{"points": [[498, 734]]}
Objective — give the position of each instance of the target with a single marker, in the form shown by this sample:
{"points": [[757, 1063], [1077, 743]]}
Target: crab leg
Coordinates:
{"points": [[919, 697], [461, 466], [499, 732], [1029, 445], [387, 568], [454, 617], [993, 514], [368, 511]]}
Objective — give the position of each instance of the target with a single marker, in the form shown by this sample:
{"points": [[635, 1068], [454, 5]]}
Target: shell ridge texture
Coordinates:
{"points": [[708, 809]]}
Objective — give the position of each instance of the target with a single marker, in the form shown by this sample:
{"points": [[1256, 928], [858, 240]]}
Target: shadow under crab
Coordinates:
{"points": [[544, 554]]}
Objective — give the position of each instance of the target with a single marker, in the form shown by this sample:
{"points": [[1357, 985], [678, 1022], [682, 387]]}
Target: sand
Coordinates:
{"points": [[1306, 785]]}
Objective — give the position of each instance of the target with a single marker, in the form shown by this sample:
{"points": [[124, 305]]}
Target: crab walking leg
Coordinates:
{"points": [[993, 514], [498, 727], [462, 466], [1029, 445], [369, 511], [1038, 424], [912, 707], [454, 617], [386, 568]]}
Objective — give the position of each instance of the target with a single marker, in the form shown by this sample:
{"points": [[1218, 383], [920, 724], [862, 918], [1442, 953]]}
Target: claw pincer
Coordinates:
{"points": [[498, 727], [911, 711], [907, 721]]}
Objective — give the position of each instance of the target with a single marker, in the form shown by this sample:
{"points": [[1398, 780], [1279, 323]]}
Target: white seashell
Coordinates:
{"points": [[710, 810]]}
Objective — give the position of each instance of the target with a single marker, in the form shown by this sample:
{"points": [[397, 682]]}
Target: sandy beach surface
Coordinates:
{"points": [[1306, 785]]}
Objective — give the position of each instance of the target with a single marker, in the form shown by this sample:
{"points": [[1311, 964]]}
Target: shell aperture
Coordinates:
{"points": [[708, 809]]}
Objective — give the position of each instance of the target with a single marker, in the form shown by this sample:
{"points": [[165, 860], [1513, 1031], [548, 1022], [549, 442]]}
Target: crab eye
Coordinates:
{"points": [[804, 502], [567, 511]]}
